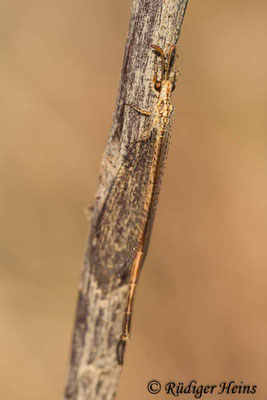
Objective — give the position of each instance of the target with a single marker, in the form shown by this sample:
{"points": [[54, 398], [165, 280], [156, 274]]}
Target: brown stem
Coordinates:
{"points": [[94, 371]]}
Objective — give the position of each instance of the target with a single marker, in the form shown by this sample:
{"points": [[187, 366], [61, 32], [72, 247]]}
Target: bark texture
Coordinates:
{"points": [[94, 371]]}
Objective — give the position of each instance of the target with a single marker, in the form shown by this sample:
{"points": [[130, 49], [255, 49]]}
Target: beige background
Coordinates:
{"points": [[200, 311]]}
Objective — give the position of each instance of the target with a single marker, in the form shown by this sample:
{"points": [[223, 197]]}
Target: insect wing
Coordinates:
{"points": [[123, 218]]}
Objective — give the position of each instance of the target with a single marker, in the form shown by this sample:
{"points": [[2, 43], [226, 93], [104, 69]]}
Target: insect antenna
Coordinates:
{"points": [[160, 51], [171, 52]]}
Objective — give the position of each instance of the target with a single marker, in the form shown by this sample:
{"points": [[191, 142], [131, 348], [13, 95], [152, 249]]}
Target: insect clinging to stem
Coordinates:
{"points": [[145, 169]]}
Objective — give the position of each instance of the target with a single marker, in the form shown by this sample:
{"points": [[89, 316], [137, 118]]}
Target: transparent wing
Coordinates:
{"points": [[123, 217]]}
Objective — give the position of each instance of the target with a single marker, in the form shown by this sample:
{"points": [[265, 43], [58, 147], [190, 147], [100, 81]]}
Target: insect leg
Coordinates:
{"points": [[144, 112]]}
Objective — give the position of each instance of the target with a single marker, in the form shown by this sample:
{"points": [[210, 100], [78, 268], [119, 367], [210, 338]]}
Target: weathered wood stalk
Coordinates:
{"points": [[94, 370]]}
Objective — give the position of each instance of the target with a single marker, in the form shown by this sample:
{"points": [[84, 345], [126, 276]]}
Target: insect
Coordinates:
{"points": [[125, 221], [160, 121]]}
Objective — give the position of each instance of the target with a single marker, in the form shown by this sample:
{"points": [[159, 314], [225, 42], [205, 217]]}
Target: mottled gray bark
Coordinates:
{"points": [[94, 370]]}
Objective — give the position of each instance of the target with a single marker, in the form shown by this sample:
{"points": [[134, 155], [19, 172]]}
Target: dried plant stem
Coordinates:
{"points": [[94, 371]]}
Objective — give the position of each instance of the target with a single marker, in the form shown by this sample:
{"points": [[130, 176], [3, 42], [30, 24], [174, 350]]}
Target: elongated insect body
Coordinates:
{"points": [[124, 224], [158, 137]]}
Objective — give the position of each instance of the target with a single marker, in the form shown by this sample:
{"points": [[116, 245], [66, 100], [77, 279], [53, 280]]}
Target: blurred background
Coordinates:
{"points": [[200, 310]]}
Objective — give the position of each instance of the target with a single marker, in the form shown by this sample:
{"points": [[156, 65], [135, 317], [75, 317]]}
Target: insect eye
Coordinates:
{"points": [[173, 86], [158, 86]]}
